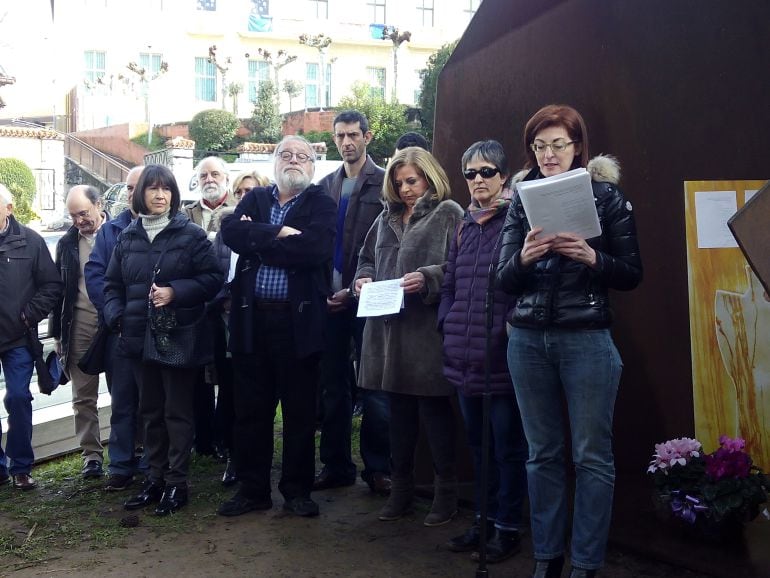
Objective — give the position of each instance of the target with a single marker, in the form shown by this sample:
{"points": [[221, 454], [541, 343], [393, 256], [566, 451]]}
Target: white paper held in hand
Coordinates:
{"points": [[381, 298], [561, 204]]}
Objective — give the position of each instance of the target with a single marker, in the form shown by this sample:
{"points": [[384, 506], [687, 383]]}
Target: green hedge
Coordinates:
{"points": [[18, 178]]}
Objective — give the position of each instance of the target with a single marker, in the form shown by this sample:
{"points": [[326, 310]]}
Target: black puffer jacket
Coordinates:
{"points": [[559, 292], [189, 266]]}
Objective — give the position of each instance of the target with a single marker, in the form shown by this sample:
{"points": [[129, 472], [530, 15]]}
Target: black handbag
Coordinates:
{"points": [[169, 344], [94, 359]]}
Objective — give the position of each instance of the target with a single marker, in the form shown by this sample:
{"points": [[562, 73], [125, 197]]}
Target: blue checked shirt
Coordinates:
{"points": [[273, 282]]}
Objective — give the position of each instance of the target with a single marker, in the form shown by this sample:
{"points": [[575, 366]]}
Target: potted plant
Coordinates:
{"points": [[714, 493]]}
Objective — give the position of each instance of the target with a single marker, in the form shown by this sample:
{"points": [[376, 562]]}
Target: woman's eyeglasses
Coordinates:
{"points": [[557, 146], [485, 172]]}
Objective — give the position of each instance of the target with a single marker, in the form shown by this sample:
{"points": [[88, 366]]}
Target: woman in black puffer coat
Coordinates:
{"points": [[164, 258], [560, 351]]}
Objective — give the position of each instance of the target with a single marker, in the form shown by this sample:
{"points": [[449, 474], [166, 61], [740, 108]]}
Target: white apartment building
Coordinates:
{"points": [[90, 44]]}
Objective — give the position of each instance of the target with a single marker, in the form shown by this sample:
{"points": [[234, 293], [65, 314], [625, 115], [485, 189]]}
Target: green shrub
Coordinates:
{"points": [[213, 129], [20, 181]]}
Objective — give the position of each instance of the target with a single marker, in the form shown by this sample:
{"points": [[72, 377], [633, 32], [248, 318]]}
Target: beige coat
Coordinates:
{"points": [[402, 353]]}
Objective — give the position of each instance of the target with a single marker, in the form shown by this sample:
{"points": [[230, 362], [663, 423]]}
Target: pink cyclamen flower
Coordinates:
{"points": [[732, 444], [674, 452]]}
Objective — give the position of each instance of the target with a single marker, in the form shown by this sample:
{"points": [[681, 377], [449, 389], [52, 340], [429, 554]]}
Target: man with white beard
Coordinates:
{"points": [[284, 236], [216, 199], [214, 188]]}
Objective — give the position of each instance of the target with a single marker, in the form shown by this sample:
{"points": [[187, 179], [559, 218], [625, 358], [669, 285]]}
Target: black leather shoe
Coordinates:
{"points": [[174, 498], [548, 568], [150, 493], [92, 469], [326, 480], [299, 506], [501, 545], [240, 504], [469, 541], [24, 482], [229, 477]]}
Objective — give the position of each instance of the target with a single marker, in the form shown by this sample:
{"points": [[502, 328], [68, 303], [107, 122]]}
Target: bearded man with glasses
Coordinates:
{"points": [[284, 236]]}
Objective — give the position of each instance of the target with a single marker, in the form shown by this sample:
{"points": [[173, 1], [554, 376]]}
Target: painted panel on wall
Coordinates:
{"points": [[729, 322]]}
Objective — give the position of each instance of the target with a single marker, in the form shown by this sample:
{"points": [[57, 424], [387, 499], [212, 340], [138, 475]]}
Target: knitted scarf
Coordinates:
{"points": [[481, 215]]}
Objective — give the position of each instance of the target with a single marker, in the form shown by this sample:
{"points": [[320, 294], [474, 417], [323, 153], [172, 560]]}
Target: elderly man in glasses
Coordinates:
{"points": [[284, 236]]}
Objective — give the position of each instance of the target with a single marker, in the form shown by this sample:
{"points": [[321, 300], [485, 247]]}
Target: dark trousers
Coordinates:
{"points": [[262, 379], [344, 333], [126, 432], [507, 475], [203, 409], [336, 394], [224, 414], [166, 409], [437, 417]]}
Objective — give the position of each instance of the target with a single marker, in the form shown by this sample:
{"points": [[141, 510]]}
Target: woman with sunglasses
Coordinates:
{"points": [[401, 354], [463, 317], [560, 351]]}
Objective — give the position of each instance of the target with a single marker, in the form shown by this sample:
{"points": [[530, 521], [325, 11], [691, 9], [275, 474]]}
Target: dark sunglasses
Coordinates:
{"points": [[485, 172]]}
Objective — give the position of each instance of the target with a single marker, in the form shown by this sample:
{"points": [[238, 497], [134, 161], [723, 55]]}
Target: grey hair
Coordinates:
{"points": [[219, 161], [5, 195]]}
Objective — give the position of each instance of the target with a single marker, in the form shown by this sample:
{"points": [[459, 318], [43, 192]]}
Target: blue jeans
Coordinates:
{"points": [[507, 474], [584, 367], [125, 429], [17, 364]]}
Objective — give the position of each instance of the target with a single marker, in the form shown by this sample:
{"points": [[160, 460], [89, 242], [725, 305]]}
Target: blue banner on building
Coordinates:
{"points": [[259, 17]]}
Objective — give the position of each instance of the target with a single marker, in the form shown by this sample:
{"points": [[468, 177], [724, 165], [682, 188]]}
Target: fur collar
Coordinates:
{"points": [[602, 168]]}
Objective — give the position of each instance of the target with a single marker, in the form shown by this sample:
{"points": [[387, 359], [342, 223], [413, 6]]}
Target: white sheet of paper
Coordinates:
{"points": [[561, 204], [233, 264], [712, 210], [381, 298], [748, 193]]}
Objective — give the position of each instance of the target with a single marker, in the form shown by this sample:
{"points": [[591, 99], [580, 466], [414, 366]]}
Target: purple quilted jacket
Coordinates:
{"points": [[461, 313]]}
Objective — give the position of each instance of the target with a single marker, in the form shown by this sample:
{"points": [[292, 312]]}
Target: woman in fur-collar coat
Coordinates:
{"points": [[401, 353], [560, 347]]}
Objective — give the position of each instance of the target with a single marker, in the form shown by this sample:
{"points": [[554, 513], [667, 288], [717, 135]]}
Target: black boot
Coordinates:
{"points": [[548, 568], [501, 545], [469, 541], [149, 494], [174, 497]]}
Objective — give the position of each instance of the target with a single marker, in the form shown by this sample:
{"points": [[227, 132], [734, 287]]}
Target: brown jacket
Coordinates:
{"points": [[402, 353]]}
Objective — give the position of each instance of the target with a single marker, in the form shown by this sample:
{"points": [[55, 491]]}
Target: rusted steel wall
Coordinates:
{"points": [[677, 91]]}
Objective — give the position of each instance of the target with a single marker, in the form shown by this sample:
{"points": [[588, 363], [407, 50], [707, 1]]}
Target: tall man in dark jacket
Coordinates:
{"points": [[356, 187], [29, 288], [284, 235], [74, 320], [125, 432]]}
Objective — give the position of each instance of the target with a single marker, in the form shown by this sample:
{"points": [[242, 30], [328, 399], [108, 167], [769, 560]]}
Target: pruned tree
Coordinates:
{"points": [[293, 88]]}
